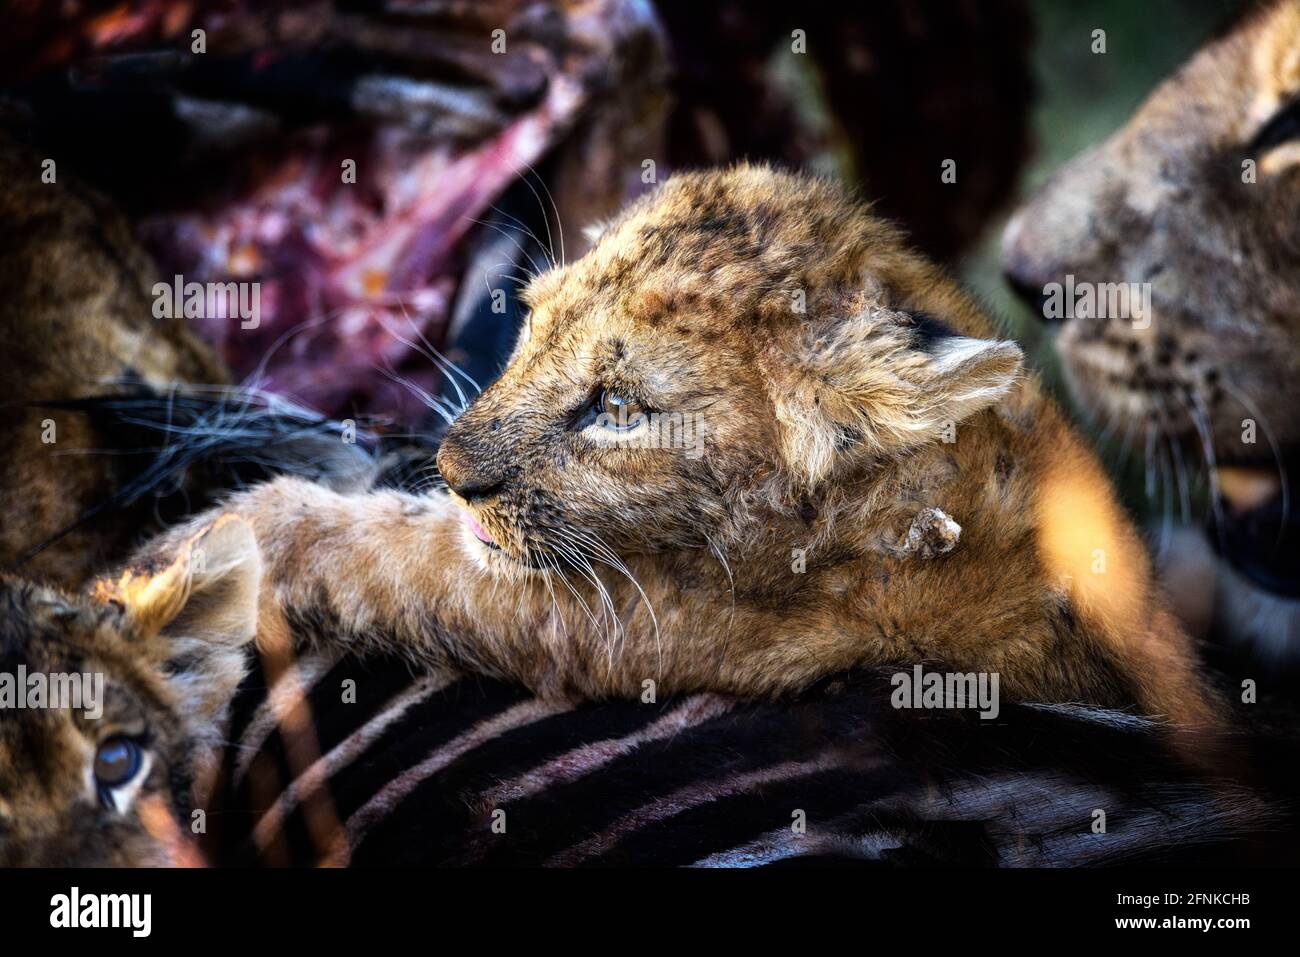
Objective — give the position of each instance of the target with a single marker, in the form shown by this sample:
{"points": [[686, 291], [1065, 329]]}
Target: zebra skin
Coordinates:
{"points": [[422, 770]]}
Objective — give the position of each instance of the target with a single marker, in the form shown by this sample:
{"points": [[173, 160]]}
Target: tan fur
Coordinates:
{"points": [[1163, 201], [824, 443], [75, 319]]}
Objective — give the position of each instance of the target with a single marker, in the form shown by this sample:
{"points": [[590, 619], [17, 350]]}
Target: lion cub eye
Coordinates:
{"points": [[617, 412], [117, 761]]}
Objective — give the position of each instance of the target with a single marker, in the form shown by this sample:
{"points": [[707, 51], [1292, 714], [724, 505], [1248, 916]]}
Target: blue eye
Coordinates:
{"points": [[117, 762], [617, 412]]}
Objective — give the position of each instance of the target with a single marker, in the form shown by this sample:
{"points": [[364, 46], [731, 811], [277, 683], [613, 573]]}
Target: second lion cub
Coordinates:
{"points": [[878, 483]]}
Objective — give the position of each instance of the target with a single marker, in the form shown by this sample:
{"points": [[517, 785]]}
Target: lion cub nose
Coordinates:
{"points": [[462, 477], [1023, 266]]}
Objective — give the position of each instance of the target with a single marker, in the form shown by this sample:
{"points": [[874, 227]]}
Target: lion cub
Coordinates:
{"points": [[747, 441], [113, 704]]}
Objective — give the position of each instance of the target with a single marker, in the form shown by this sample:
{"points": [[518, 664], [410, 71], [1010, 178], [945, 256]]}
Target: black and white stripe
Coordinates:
{"points": [[413, 772]]}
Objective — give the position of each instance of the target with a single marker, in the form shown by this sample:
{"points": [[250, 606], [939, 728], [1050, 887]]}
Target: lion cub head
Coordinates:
{"points": [[111, 704], [1197, 198], [736, 338]]}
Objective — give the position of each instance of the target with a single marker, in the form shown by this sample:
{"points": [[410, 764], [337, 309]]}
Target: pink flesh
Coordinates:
{"points": [[351, 275]]}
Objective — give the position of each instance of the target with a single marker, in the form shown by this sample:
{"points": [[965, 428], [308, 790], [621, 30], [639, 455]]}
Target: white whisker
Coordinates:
{"points": [[1273, 445]]}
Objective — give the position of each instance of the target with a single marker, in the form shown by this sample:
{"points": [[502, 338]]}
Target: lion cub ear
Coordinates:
{"points": [[881, 383], [208, 589], [963, 376]]}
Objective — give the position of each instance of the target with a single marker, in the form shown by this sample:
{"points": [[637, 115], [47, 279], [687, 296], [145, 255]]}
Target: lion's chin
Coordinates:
{"points": [[491, 556]]}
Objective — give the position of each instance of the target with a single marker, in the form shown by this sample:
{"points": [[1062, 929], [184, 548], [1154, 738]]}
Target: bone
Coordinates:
{"points": [[933, 533]]}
